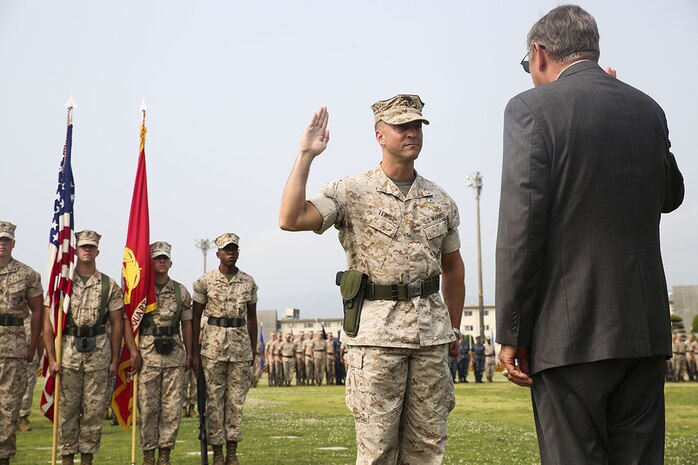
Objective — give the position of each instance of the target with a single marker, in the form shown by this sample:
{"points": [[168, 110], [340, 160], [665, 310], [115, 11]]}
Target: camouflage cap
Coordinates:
{"points": [[160, 248], [7, 229], [400, 109], [227, 238], [289, 334], [87, 237]]}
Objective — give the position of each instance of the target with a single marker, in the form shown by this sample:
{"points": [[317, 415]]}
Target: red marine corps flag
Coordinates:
{"points": [[139, 289]]}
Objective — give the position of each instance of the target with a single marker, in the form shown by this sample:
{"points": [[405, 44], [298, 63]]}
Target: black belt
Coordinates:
{"points": [[7, 320], [319, 350], [89, 331], [490, 355], [402, 291], [288, 356], [234, 322], [680, 353], [159, 331]]}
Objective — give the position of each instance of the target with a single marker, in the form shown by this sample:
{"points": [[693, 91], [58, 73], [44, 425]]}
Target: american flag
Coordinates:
{"points": [[61, 254]]}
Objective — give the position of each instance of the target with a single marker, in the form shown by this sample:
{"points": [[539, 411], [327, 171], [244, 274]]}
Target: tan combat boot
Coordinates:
{"points": [[24, 425], [232, 457], [218, 458], [86, 459], [67, 459], [164, 456], [149, 457]]}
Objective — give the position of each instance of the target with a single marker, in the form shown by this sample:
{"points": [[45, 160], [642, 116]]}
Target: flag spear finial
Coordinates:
{"points": [[143, 109], [70, 105]]}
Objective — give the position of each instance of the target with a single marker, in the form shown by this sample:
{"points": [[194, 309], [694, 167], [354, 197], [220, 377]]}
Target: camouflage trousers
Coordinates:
{"points": [[26, 407], [159, 406], [289, 368], [490, 367], [189, 389], [400, 399], [319, 366], [300, 369], [83, 398], [330, 369], [679, 366], [227, 384], [13, 382], [309, 371]]}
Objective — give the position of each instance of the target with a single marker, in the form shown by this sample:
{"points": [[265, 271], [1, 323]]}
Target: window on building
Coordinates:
{"points": [[487, 327], [486, 312], [468, 313], [468, 327]]}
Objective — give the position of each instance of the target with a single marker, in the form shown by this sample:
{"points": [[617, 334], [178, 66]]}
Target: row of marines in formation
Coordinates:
{"points": [[162, 353], [312, 359]]}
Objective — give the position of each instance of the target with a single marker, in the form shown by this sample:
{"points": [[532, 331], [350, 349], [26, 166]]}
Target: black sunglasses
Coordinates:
{"points": [[525, 64]]}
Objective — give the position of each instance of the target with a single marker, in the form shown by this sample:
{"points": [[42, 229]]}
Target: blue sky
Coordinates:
{"points": [[230, 86]]}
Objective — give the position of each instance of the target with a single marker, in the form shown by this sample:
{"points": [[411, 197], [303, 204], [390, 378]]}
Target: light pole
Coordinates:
{"points": [[475, 181], [204, 245]]}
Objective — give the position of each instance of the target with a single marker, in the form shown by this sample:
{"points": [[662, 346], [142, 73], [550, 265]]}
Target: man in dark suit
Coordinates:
{"points": [[582, 307]]}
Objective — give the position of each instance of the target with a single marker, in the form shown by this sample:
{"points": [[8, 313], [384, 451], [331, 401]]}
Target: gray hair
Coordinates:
{"points": [[568, 33]]}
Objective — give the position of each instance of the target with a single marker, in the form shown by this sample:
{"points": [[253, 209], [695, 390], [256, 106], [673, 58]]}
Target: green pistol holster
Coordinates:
{"points": [[352, 284]]}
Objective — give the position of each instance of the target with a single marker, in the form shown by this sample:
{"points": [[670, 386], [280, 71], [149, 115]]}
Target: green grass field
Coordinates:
{"points": [[491, 424]]}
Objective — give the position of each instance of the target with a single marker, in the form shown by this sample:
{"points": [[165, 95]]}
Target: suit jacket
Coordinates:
{"points": [[586, 174]]}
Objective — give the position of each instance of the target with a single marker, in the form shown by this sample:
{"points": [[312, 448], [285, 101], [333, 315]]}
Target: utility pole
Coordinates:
{"points": [[204, 245], [475, 182]]}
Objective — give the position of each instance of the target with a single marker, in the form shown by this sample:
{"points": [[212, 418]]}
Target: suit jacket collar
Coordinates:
{"points": [[577, 67]]}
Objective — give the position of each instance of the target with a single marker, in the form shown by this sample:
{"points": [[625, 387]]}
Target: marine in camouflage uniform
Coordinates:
{"points": [[402, 231], [691, 354], [309, 366], [271, 369], [166, 357], [20, 297], [227, 298], [300, 362], [678, 347], [330, 363], [319, 358], [288, 356], [86, 367], [278, 362]]}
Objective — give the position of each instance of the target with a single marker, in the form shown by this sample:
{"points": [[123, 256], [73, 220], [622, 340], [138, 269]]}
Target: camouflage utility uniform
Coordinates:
{"points": [[309, 369], [84, 391], [288, 355], [226, 352], [398, 385], [319, 358], [161, 379], [18, 282], [32, 367]]}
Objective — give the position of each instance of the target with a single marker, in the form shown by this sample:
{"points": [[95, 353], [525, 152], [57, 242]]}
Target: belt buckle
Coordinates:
{"points": [[414, 289]]}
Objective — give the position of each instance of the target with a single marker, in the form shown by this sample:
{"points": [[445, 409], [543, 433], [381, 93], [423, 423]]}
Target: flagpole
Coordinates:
{"points": [[135, 408], [134, 399], [57, 389], [70, 104]]}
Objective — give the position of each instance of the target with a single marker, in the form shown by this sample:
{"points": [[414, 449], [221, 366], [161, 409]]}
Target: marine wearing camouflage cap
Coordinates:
{"points": [[7, 229], [401, 109], [227, 238], [87, 237], [160, 248]]}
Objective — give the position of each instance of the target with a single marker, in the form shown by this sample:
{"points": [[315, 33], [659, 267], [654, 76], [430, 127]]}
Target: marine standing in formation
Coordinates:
{"points": [[300, 362], [288, 356], [227, 298], [269, 356], [463, 359], [91, 346], [400, 235], [308, 351], [330, 363], [21, 295], [166, 357]]}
